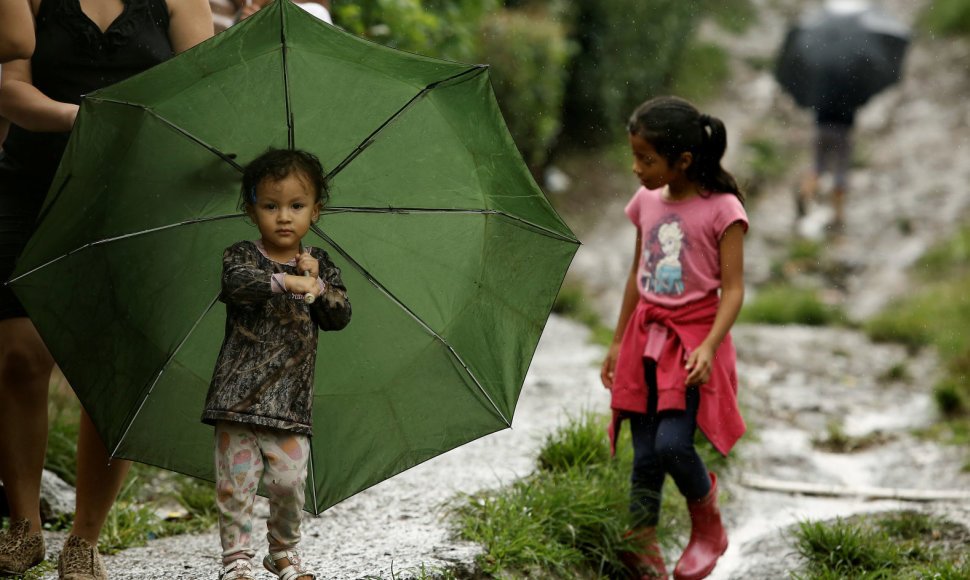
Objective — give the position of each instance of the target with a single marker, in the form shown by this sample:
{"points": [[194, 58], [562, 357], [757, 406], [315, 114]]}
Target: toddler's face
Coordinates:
{"points": [[283, 212]]}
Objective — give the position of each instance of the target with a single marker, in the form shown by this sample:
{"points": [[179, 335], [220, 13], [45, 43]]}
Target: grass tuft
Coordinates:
{"points": [[904, 544], [784, 304]]}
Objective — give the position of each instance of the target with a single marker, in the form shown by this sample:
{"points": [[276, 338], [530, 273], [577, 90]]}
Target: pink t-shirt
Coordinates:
{"points": [[680, 256]]}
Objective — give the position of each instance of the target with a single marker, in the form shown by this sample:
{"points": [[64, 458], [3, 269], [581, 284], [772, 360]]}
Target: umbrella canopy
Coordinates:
{"points": [[841, 56], [451, 254]]}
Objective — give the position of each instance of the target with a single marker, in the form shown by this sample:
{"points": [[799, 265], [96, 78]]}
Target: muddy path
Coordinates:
{"points": [[799, 384]]}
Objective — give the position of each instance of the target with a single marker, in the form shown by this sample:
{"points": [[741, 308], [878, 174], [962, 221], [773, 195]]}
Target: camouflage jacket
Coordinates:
{"points": [[264, 373]]}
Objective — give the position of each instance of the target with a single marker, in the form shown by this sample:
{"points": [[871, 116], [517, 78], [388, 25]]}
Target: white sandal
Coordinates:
{"points": [[238, 570], [293, 571]]}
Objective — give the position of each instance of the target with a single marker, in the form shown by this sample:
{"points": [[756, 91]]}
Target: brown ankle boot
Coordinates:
{"points": [[647, 562], [19, 549], [708, 539]]}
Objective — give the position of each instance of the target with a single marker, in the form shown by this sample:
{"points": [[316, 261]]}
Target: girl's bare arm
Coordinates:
{"points": [[732, 297]]}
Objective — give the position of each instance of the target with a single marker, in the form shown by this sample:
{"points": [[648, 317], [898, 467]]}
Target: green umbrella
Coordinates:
{"points": [[451, 254]]}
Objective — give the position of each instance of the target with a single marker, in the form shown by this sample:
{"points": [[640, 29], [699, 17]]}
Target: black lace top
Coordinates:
{"points": [[73, 57]]}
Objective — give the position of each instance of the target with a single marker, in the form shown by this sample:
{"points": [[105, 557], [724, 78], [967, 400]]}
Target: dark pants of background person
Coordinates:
{"points": [[664, 443]]}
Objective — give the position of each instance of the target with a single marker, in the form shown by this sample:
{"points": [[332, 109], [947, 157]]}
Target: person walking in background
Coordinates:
{"points": [[80, 47], [261, 396], [671, 365], [833, 61], [833, 152]]}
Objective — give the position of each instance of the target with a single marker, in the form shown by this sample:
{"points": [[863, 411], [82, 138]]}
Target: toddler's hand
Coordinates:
{"points": [[303, 285], [307, 263]]}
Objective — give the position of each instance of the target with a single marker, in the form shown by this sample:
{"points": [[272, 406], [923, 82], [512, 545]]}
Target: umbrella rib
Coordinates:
{"points": [[131, 418], [228, 158], [369, 140], [313, 480], [122, 237], [290, 137], [404, 307], [410, 210]]}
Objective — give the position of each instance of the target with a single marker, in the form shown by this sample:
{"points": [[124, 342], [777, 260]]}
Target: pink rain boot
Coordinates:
{"points": [[708, 540]]}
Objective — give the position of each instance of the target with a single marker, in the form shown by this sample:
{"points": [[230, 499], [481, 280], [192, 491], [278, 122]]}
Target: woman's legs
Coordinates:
{"points": [[99, 479], [25, 369]]}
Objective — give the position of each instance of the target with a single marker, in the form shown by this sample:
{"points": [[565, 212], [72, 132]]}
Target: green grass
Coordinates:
{"points": [[937, 315], [947, 17], [893, 545], [787, 304], [567, 519]]}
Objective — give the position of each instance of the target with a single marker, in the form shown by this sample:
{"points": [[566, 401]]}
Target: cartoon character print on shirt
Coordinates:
{"points": [[661, 271]]}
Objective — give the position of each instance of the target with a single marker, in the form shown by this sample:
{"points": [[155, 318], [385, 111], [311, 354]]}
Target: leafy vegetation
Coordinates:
{"points": [[947, 17], [938, 315], [567, 519], [529, 55], [563, 71], [897, 545], [789, 304]]}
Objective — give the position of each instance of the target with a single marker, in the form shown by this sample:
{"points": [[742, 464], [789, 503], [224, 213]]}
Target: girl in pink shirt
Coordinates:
{"points": [[671, 366]]}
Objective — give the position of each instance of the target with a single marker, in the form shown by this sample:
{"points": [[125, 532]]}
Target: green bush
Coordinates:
{"points": [[528, 54], [440, 28], [631, 51]]}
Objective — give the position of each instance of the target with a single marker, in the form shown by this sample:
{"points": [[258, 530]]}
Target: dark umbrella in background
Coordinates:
{"points": [[841, 55]]}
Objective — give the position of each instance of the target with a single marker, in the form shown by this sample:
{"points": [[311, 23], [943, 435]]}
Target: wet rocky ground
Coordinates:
{"points": [[909, 189]]}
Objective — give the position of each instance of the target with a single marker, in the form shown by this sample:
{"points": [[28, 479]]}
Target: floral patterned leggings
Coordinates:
{"points": [[245, 454]]}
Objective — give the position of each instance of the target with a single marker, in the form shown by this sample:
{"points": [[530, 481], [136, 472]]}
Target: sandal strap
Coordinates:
{"points": [[238, 570], [291, 572]]}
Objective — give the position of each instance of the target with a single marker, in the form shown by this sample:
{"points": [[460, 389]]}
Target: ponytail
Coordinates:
{"points": [[674, 126], [708, 161]]}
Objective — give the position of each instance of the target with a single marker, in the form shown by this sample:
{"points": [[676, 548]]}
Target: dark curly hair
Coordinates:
{"points": [[276, 164], [674, 126]]}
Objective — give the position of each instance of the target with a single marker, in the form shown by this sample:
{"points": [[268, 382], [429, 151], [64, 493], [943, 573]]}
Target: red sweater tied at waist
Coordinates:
{"points": [[668, 336]]}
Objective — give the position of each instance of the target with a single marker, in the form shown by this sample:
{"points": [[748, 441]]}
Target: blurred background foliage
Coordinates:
{"points": [[565, 72]]}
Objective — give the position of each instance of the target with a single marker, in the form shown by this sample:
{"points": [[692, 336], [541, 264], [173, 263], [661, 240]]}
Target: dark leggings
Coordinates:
{"points": [[664, 443]]}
